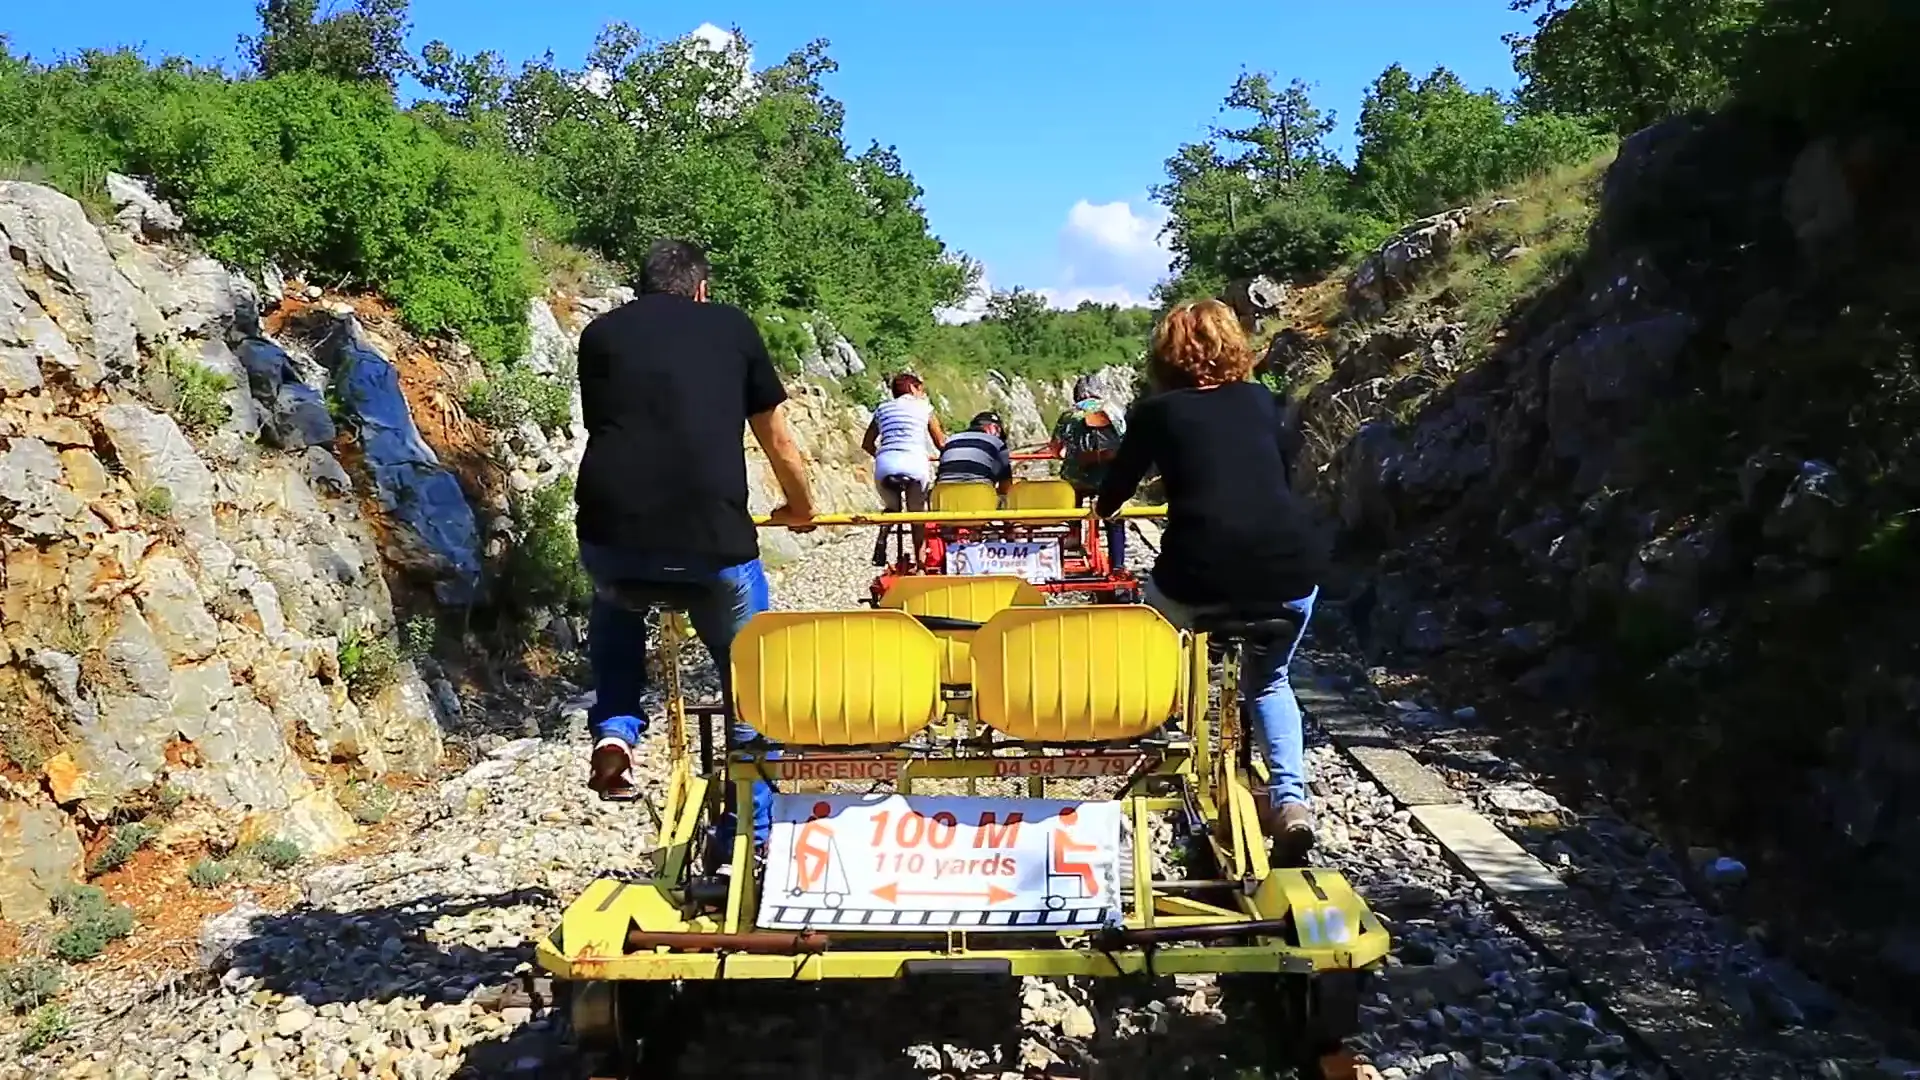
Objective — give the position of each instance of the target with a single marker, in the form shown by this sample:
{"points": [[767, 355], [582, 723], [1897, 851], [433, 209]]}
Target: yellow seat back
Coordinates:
{"points": [[1049, 494], [836, 678], [975, 598], [961, 497], [1076, 674]]}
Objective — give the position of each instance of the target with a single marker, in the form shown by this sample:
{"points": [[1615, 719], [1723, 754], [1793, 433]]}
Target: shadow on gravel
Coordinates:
{"points": [[378, 954]]}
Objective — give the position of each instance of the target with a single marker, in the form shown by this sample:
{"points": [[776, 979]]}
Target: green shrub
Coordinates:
{"points": [[369, 803], [79, 901], [510, 396], [126, 840], [92, 922], [167, 800], [48, 1025], [786, 338], [544, 569], [26, 985], [193, 393], [369, 662], [155, 502], [273, 854], [417, 637], [209, 874], [298, 169], [22, 747]]}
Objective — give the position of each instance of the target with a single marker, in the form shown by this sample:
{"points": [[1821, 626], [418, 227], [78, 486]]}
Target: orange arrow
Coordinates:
{"points": [[892, 893]]}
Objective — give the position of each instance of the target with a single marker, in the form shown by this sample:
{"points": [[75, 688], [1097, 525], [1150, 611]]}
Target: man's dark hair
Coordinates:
{"points": [[674, 266]]}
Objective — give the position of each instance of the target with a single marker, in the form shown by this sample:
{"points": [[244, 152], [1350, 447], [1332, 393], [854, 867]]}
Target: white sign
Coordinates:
{"points": [[940, 862], [1035, 562]]}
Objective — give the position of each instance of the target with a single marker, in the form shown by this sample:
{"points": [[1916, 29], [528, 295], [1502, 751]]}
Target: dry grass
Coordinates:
{"points": [[1517, 250]]}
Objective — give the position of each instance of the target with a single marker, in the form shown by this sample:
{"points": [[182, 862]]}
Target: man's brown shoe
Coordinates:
{"points": [[1290, 826], [612, 771]]}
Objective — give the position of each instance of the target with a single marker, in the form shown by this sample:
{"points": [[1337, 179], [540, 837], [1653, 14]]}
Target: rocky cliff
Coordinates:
{"points": [[237, 515], [1628, 462]]}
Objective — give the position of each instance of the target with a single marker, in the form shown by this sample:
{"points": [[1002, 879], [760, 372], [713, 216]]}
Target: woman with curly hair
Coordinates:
{"points": [[1237, 540]]}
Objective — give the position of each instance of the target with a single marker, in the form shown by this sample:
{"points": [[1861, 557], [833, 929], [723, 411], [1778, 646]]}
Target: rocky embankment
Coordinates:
{"points": [[1653, 521]]}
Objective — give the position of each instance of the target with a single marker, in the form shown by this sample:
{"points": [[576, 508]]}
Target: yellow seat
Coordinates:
{"points": [[836, 678], [1076, 674], [959, 497], [1040, 495], [973, 598]]}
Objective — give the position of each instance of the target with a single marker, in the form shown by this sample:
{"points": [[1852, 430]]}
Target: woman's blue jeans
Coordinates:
{"points": [[617, 651], [1263, 679]]}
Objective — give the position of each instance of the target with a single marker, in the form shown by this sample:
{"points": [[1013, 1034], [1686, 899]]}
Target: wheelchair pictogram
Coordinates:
{"points": [[816, 864], [1067, 878]]}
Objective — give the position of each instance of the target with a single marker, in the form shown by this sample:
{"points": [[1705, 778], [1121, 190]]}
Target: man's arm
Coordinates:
{"points": [[871, 444], [1005, 468], [789, 468], [764, 396], [593, 370], [1129, 467], [939, 435]]}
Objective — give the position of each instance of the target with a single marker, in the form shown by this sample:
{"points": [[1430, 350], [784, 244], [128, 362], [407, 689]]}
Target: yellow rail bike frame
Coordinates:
{"points": [[1198, 773]]}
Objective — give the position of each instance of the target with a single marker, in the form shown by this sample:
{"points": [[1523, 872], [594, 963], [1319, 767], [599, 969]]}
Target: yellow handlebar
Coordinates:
{"points": [[958, 517]]}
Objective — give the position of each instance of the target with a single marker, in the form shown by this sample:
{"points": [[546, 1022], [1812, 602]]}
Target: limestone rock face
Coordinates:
{"points": [[39, 853], [172, 597]]}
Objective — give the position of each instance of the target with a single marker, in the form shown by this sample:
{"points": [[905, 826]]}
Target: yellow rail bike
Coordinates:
{"points": [[967, 782]]}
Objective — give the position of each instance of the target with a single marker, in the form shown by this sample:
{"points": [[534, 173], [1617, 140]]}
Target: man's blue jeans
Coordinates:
{"points": [[617, 650], [1263, 679]]}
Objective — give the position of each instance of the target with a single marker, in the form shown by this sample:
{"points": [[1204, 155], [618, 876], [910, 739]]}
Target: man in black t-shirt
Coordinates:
{"points": [[667, 383]]}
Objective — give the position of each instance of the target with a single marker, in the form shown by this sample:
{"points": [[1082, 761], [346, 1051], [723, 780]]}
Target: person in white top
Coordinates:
{"points": [[903, 439]]}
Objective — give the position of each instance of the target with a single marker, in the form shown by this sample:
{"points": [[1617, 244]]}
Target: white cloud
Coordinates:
{"points": [[969, 309], [715, 39], [1072, 296], [1110, 254]]}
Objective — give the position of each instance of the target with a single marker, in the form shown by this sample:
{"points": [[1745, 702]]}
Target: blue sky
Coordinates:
{"points": [[1036, 127]]}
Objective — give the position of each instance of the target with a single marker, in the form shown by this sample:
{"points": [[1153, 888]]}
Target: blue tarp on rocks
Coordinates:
{"points": [[420, 494], [296, 417]]}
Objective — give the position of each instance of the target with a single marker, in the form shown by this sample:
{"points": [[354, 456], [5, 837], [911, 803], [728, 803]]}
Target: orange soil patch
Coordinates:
{"points": [[10, 940], [168, 910]]}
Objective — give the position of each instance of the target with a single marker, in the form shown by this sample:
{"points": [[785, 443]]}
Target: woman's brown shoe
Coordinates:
{"points": [[1290, 827]]}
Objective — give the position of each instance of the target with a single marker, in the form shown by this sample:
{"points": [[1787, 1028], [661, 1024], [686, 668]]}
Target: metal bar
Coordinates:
{"points": [[1269, 958], [962, 517], [889, 766], [1161, 935], [1142, 864], [1195, 885], [759, 942]]}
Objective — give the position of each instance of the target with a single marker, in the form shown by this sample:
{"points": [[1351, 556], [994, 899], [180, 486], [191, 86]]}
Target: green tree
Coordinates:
{"points": [[1431, 145], [1023, 316], [1628, 63], [1284, 143], [1263, 196], [364, 43]]}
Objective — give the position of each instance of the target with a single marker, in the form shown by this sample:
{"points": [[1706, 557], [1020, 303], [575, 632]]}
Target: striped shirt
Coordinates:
{"points": [[975, 455], [903, 424]]}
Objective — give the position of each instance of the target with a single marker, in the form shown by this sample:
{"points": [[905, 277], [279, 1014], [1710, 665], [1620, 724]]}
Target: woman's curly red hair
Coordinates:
{"points": [[1200, 343]]}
